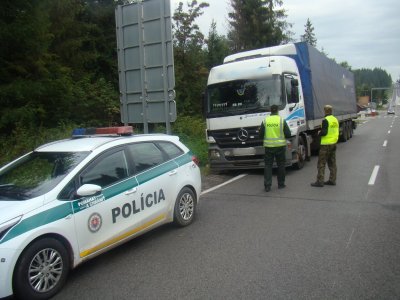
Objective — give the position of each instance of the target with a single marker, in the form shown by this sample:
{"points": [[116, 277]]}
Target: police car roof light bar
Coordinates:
{"points": [[119, 130]]}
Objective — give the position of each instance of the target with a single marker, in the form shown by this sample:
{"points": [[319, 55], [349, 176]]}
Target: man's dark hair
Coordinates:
{"points": [[274, 108]]}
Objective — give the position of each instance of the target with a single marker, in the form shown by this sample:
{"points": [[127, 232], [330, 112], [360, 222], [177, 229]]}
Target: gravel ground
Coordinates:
{"points": [[211, 180]]}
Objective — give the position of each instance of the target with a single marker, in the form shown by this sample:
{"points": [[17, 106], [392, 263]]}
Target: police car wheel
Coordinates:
{"points": [[185, 207], [41, 270]]}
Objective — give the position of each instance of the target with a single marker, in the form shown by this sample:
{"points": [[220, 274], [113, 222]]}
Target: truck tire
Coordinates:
{"points": [[301, 154], [351, 129], [344, 135], [348, 129]]}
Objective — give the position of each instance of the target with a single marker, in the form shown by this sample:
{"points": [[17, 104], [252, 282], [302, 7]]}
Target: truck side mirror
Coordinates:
{"points": [[295, 82], [294, 94]]}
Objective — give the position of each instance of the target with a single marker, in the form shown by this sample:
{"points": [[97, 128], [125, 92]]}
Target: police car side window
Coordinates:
{"points": [[106, 170], [170, 149], [68, 191], [145, 156]]}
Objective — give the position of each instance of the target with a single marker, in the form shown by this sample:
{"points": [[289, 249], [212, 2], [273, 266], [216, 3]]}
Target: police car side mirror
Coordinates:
{"points": [[88, 190]]}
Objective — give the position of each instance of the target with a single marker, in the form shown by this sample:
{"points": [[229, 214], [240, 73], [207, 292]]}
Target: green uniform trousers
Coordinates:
{"points": [[327, 154], [279, 154]]}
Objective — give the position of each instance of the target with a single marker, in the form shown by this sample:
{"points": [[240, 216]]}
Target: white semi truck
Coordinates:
{"points": [[296, 77]]}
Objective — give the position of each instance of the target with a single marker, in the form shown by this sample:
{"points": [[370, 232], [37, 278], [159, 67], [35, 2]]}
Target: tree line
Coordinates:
{"points": [[58, 61]]}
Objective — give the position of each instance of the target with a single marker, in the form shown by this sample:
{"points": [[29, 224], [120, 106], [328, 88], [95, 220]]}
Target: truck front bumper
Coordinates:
{"points": [[239, 158]]}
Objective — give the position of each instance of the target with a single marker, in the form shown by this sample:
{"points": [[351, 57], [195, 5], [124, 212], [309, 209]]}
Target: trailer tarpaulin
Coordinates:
{"points": [[324, 82]]}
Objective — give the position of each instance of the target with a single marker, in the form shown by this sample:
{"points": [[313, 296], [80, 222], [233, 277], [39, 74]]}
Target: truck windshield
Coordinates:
{"points": [[244, 96], [36, 174]]}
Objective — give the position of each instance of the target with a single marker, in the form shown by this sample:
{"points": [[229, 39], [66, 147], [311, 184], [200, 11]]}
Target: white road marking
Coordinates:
{"points": [[349, 240], [224, 183], [373, 175], [389, 132], [384, 144]]}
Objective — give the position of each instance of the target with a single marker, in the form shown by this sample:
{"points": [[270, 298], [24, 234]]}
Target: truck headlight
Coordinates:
{"points": [[214, 154], [211, 140]]}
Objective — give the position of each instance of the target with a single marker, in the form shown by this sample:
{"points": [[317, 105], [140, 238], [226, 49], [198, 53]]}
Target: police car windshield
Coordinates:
{"points": [[36, 174], [244, 96]]}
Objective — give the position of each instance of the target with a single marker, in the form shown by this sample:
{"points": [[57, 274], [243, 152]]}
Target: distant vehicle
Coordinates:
{"points": [[296, 77], [70, 200]]}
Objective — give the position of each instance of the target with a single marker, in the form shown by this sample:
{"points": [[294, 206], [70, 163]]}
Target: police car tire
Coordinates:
{"points": [[21, 286], [185, 207]]}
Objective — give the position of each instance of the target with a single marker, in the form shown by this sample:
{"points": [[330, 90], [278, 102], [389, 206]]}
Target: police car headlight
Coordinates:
{"points": [[4, 227]]}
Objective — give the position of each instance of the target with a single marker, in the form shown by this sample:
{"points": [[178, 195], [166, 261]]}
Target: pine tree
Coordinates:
{"points": [[217, 47], [309, 35], [256, 24]]}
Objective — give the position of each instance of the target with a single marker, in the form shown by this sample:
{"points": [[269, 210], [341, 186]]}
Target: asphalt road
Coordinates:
{"points": [[302, 242]]}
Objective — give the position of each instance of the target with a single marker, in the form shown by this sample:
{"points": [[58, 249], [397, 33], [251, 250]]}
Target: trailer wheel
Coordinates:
{"points": [[301, 154]]}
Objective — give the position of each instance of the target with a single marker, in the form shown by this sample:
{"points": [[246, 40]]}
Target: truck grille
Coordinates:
{"points": [[237, 137]]}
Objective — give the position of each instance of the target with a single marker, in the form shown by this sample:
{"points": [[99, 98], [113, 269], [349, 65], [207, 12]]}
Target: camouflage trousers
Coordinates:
{"points": [[327, 154]]}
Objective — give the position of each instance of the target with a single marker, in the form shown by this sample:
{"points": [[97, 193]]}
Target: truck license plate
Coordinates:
{"points": [[244, 151]]}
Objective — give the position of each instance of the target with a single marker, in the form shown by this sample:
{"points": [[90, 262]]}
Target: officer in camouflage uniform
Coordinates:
{"points": [[327, 154], [274, 130]]}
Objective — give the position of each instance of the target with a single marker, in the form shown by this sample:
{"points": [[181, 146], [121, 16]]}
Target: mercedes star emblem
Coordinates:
{"points": [[243, 135]]}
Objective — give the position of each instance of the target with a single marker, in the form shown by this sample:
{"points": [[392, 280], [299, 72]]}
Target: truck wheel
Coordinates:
{"points": [[42, 270], [348, 130], [343, 136], [185, 207], [301, 154], [351, 129]]}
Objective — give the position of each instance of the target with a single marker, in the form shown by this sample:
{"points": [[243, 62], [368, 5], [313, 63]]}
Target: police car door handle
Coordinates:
{"points": [[172, 172], [131, 191]]}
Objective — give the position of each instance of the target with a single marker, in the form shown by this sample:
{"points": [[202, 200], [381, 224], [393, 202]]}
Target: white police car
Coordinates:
{"points": [[70, 200]]}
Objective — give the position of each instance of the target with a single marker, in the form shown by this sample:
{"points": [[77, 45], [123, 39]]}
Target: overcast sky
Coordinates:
{"points": [[365, 33]]}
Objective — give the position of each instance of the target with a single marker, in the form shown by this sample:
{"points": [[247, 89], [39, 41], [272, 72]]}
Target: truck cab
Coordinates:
{"points": [[238, 99]]}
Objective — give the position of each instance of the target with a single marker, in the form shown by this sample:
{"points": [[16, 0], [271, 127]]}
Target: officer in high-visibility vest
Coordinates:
{"points": [[327, 153], [274, 130]]}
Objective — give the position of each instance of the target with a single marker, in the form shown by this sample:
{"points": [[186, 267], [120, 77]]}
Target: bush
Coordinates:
{"points": [[23, 140], [191, 131]]}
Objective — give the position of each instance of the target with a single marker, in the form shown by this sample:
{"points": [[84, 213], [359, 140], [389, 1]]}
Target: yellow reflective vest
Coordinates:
{"points": [[274, 136], [332, 135]]}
